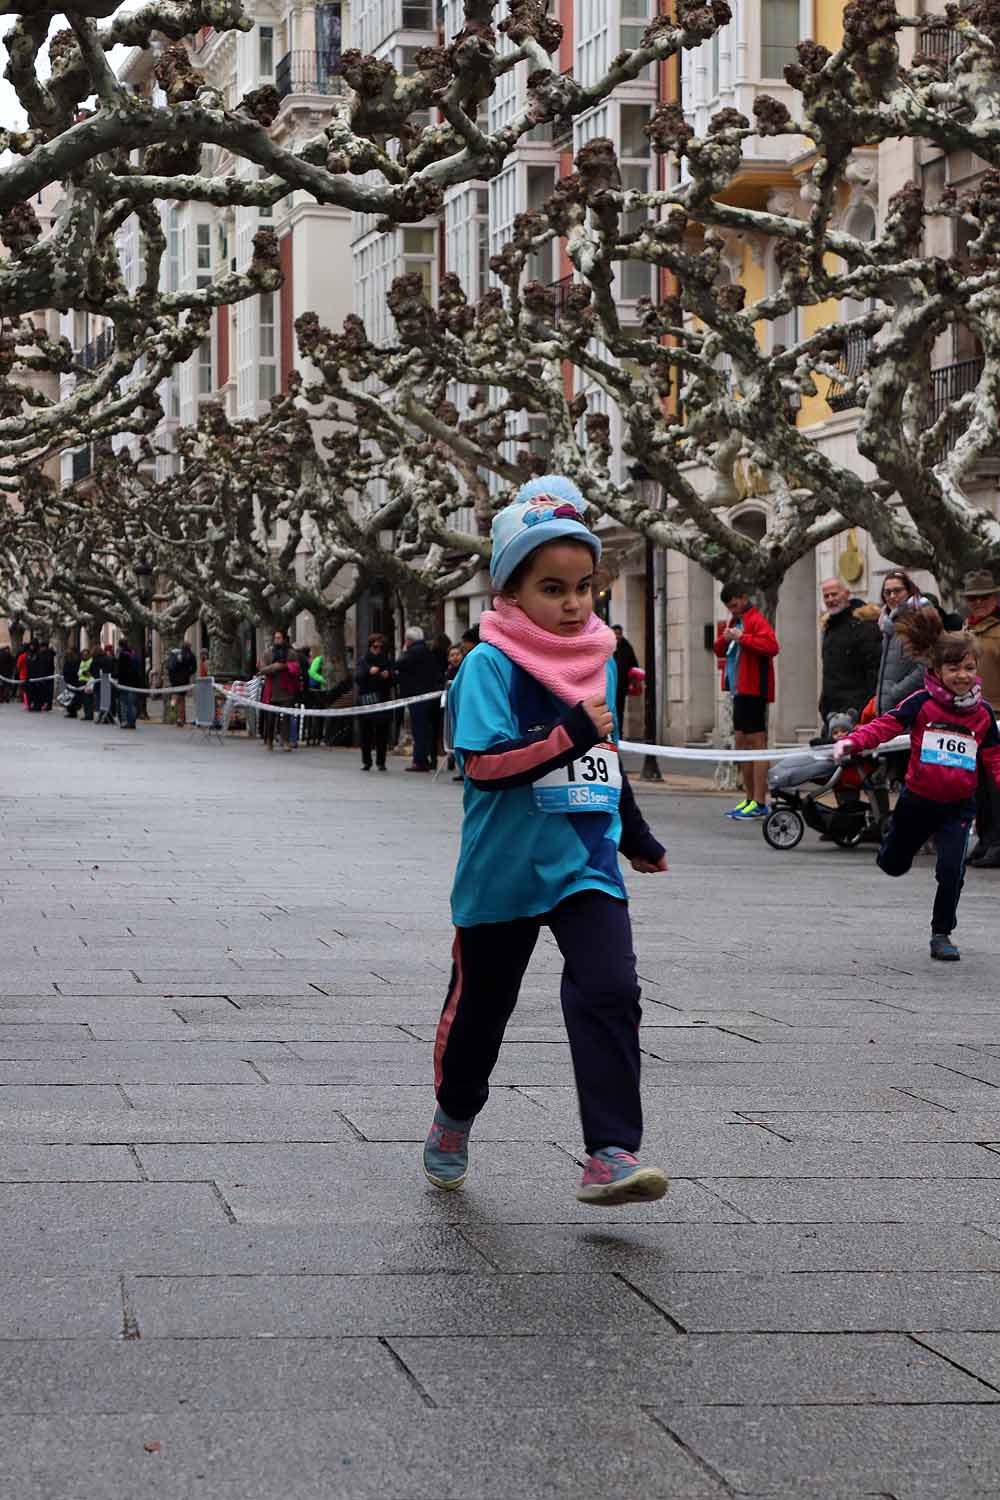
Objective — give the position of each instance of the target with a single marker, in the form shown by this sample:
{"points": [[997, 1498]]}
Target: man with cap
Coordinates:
{"points": [[981, 593]]}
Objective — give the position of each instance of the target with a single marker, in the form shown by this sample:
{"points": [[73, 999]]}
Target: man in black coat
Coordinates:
{"points": [[128, 673], [851, 650], [625, 660], [418, 671]]}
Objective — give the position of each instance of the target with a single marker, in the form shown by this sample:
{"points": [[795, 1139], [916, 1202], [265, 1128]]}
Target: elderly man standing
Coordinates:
{"points": [[851, 650], [981, 593]]}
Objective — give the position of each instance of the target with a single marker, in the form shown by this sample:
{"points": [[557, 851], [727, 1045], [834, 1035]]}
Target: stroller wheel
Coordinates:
{"points": [[783, 827]]}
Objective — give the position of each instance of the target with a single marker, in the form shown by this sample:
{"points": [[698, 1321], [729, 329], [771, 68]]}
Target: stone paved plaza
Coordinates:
{"points": [[224, 1275]]}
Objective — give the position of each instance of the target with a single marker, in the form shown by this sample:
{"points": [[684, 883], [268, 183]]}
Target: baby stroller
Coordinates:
{"points": [[798, 782]]}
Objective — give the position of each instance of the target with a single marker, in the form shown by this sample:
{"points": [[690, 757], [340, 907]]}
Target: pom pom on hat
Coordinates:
{"points": [[543, 510]]}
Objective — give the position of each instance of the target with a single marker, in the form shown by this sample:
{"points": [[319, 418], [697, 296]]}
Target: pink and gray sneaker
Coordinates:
{"points": [[614, 1176], [446, 1151]]}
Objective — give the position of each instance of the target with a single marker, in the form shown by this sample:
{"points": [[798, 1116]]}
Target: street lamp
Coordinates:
{"points": [[144, 593], [650, 493]]}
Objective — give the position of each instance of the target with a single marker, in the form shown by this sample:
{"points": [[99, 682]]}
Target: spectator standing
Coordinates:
{"points": [[21, 673], [85, 679], [746, 646], [7, 665], [46, 676], [282, 673], [899, 673], [417, 671], [374, 678], [981, 594], [470, 639], [33, 686], [181, 667], [625, 660], [851, 650], [129, 675], [71, 680]]}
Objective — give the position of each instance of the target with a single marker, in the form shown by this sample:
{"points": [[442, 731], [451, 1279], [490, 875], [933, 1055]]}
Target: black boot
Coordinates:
{"points": [[990, 860]]}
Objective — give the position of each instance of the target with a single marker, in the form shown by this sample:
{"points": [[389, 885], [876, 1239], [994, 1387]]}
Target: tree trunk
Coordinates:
{"points": [[224, 650], [420, 607], [333, 643]]}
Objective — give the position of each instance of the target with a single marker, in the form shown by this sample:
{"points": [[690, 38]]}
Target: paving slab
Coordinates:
{"points": [[935, 1452], [224, 1274], [644, 1369], [380, 1455]]}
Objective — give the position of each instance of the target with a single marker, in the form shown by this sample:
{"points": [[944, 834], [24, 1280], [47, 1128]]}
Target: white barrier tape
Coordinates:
{"points": [[681, 752], [79, 687], [160, 692], [328, 713]]}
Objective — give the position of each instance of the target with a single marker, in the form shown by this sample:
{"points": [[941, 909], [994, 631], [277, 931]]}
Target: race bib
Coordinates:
{"points": [[591, 783], [943, 747]]}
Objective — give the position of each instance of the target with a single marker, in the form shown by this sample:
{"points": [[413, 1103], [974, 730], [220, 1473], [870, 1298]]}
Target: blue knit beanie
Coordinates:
{"points": [[543, 510]]}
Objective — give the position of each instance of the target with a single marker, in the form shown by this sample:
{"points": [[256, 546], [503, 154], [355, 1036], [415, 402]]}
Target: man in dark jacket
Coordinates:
{"points": [[418, 672], [71, 680], [375, 678], [128, 673], [181, 667], [34, 685], [851, 650], [6, 672], [625, 660]]}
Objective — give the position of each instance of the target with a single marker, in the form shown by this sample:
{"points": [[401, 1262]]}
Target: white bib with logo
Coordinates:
{"points": [[591, 783], [946, 747]]}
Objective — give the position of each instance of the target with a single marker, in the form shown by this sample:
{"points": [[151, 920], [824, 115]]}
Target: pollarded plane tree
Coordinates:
{"points": [[114, 154], [924, 449], [702, 399], [258, 524], [79, 557]]}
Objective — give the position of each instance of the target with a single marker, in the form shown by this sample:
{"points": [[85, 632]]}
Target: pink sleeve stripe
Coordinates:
{"points": [[486, 765]]}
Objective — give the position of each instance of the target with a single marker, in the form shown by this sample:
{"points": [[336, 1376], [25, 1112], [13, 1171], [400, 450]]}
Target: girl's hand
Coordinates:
{"points": [[646, 867], [599, 715]]}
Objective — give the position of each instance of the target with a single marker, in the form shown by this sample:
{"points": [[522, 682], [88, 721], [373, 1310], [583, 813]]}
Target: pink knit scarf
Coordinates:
{"points": [[572, 667]]}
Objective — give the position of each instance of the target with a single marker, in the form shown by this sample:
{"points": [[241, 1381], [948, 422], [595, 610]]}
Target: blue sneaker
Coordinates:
{"points": [[446, 1151], [943, 947], [613, 1175], [749, 810], [734, 812]]}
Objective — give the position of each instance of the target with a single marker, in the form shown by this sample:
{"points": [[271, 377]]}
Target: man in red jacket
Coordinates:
{"points": [[746, 647]]}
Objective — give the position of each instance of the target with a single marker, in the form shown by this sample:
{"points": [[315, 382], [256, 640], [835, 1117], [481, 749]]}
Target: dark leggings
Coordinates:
{"points": [[600, 1004], [914, 821]]}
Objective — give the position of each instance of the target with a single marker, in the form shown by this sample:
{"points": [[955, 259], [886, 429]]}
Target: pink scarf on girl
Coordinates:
{"points": [[572, 667]]}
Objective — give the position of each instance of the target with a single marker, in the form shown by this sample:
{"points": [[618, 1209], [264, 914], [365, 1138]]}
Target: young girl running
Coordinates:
{"points": [[547, 807], [952, 729]]}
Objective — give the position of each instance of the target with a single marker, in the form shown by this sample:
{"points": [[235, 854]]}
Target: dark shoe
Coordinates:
{"points": [[425, 769], [942, 947], [383, 768], [990, 860], [366, 768], [458, 778]]}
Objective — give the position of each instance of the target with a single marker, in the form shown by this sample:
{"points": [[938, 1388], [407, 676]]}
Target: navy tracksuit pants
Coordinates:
{"points": [[600, 1004], [915, 820]]}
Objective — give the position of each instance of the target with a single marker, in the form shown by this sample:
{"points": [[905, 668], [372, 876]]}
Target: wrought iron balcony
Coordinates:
{"points": [[941, 42], [307, 73], [83, 463], [853, 361], [947, 384], [97, 351]]}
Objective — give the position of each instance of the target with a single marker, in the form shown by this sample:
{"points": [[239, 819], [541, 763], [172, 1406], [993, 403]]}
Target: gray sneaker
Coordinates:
{"points": [[942, 947], [446, 1151]]}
